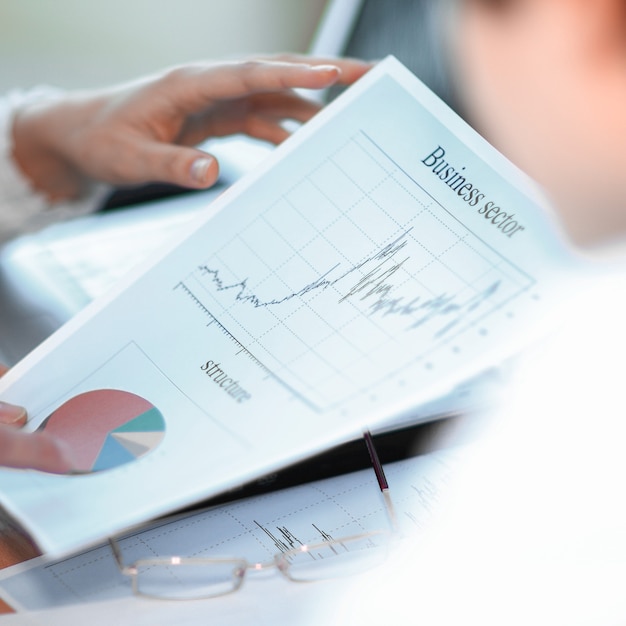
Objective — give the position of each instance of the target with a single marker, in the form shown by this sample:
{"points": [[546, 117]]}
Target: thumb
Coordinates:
{"points": [[179, 165], [12, 415], [34, 450]]}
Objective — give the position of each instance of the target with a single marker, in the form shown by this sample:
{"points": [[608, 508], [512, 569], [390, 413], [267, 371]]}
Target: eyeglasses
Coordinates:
{"points": [[181, 578]]}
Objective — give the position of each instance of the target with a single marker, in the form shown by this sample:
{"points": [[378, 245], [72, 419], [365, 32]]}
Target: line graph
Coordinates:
{"points": [[373, 286], [255, 528], [353, 275], [283, 538]]}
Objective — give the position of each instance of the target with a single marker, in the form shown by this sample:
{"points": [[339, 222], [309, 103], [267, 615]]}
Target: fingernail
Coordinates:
{"points": [[200, 169], [11, 414], [325, 68]]}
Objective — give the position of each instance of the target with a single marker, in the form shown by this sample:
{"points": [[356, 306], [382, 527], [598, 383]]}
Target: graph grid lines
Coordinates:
{"points": [[354, 270]]}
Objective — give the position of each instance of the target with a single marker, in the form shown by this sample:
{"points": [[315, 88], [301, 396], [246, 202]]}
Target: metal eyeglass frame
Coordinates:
{"points": [[281, 561]]}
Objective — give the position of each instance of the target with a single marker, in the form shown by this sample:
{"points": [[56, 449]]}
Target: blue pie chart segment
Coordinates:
{"points": [[131, 440], [106, 428]]}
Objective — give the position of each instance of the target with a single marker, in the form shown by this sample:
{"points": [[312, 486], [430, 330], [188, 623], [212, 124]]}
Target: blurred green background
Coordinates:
{"points": [[86, 43]]}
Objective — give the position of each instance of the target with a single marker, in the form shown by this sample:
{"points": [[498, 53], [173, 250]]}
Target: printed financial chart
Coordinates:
{"points": [[105, 428], [354, 275], [254, 528]]}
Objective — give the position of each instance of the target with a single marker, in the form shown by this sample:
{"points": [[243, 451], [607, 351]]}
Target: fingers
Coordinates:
{"points": [[351, 69], [28, 450], [170, 163], [144, 131], [265, 129], [11, 415], [197, 86], [33, 450], [182, 166], [231, 117]]}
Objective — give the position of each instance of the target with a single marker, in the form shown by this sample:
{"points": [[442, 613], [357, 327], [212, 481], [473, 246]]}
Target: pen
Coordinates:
{"points": [[381, 478]]}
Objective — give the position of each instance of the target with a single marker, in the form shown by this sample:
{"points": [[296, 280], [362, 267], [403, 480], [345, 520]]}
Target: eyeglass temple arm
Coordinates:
{"points": [[381, 478]]}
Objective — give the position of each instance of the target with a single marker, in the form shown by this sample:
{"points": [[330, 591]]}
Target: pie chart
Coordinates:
{"points": [[106, 428]]}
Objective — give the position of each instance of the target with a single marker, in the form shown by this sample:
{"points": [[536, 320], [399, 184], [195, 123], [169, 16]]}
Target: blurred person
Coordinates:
{"points": [[533, 530], [56, 148], [544, 82]]}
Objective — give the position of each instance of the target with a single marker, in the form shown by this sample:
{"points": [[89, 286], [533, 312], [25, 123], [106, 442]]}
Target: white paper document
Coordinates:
{"points": [[377, 258], [254, 528]]}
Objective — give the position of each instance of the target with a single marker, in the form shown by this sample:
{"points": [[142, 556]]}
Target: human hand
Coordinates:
{"points": [[145, 131], [28, 450]]}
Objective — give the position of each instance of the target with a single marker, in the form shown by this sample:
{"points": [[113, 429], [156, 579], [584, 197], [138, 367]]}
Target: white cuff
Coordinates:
{"points": [[21, 207]]}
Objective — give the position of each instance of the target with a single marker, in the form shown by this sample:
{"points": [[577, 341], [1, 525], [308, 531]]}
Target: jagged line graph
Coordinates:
{"points": [[284, 539], [372, 285], [317, 300], [308, 513]]}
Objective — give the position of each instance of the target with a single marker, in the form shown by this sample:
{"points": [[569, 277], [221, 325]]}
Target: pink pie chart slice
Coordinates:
{"points": [[106, 428]]}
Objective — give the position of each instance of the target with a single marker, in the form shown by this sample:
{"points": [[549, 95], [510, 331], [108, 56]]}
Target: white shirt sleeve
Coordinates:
{"points": [[22, 209]]}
